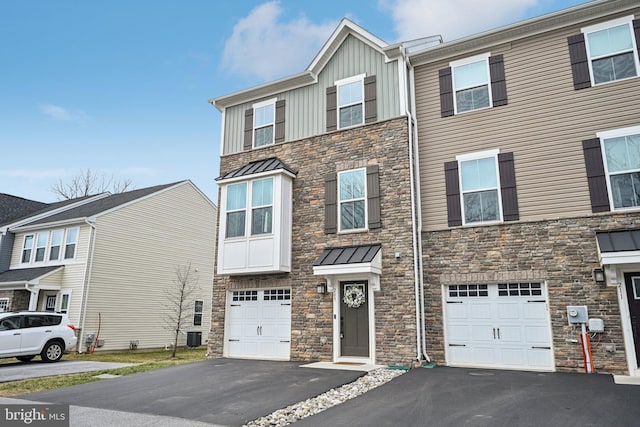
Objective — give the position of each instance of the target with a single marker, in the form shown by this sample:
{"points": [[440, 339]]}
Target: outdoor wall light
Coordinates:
{"points": [[322, 288], [598, 275]]}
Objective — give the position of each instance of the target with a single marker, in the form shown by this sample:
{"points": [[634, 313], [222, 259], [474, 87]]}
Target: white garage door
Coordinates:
{"points": [[259, 324], [498, 326]]}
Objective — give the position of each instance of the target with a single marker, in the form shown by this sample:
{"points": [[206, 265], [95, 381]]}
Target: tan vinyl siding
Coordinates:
{"points": [[543, 124], [80, 253], [305, 106], [137, 251]]}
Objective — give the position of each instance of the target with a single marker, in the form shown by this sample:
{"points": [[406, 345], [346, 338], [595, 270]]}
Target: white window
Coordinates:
{"points": [[70, 243], [50, 304], [27, 248], [236, 209], [350, 101], [56, 245], [264, 122], [621, 154], [612, 50], [41, 246], [479, 187], [4, 304], [64, 301], [471, 83], [262, 206], [352, 197], [197, 312]]}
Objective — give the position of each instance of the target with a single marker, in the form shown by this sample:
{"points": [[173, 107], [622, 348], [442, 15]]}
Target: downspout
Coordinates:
{"points": [[92, 238], [415, 236], [416, 206]]}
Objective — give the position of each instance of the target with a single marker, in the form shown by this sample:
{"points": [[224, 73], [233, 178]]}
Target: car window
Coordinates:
{"points": [[33, 321], [10, 323], [51, 320]]}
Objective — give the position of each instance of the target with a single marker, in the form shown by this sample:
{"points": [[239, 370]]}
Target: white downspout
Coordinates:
{"points": [[415, 237], [87, 284], [419, 215]]}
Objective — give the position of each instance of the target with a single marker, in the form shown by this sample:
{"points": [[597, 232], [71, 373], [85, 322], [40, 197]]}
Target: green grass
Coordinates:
{"points": [[145, 361]]}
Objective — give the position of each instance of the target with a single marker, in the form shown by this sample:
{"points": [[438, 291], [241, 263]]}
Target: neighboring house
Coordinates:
{"points": [[316, 204], [530, 173], [109, 262]]}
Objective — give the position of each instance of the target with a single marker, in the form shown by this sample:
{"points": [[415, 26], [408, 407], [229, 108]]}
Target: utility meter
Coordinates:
{"points": [[577, 314]]}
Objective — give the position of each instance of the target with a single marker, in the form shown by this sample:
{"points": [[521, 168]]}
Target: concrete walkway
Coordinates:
{"points": [[35, 369]]}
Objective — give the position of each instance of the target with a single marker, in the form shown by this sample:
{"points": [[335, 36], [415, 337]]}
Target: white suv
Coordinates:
{"points": [[26, 334]]}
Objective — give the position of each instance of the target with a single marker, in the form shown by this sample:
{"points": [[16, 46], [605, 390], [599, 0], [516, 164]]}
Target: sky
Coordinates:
{"points": [[121, 87]]}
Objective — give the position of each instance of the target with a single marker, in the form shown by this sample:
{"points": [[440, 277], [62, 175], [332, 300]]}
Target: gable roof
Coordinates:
{"points": [[308, 76], [102, 205], [26, 274], [259, 166], [13, 210]]}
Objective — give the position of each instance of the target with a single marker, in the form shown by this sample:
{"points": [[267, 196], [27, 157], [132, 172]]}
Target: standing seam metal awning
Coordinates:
{"points": [[619, 247], [347, 255]]}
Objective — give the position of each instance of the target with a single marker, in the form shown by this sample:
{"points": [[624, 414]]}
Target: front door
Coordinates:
{"points": [[632, 281], [354, 319]]}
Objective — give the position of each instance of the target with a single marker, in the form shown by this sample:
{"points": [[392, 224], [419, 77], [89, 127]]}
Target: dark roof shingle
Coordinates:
{"points": [[26, 274]]}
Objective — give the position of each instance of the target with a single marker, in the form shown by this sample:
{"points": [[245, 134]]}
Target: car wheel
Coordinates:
{"points": [[52, 352], [25, 358]]}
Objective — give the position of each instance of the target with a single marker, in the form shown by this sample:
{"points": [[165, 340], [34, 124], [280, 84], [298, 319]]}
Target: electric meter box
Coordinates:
{"points": [[596, 325], [577, 314]]}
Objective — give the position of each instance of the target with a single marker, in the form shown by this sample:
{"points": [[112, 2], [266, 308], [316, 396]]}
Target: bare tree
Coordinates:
{"points": [[180, 302], [87, 182]]}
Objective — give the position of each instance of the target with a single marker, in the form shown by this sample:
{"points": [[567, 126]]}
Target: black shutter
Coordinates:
{"points": [[446, 92], [330, 203], [579, 62], [508, 191], [332, 106], [452, 182], [248, 129], [279, 128], [370, 108], [595, 175], [373, 197], [498, 81], [636, 30]]}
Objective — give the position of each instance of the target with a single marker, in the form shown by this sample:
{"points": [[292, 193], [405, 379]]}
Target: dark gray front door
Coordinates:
{"points": [[632, 280], [354, 321]]}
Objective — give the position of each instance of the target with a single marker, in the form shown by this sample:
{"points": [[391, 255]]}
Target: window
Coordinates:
{"points": [[262, 206], [471, 83], [352, 200], [263, 123], [56, 243], [70, 243], [64, 302], [197, 313], [244, 296], [4, 304], [41, 246], [236, 209], [468, 291], [50, 304], [350, 101], [27, 248], [621, 154], [479, 187], [611, 51], [10, 323], [519, 289]]}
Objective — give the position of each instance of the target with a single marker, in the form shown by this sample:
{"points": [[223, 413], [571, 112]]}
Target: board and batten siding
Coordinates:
{"points": [[138, 248], [305, 109], [543, 124]]}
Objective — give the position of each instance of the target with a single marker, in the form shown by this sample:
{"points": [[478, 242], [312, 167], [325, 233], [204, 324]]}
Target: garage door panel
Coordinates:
{"points": [[507, 326]]}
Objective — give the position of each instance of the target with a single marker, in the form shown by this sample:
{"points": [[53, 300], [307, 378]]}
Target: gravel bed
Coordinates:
{"points": [[333, 397]]}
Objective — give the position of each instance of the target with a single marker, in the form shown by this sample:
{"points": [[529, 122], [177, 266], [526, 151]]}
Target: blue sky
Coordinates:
{"points": [[121, 87]]}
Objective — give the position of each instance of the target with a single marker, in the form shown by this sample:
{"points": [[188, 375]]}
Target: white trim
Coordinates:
{"points": [[616, 133], [479, 156], [365, 199], [625, 316], [484, 57], [255, 176], [621, 257], [261, 104], [223, 113], [470, 60], [352, 79], [610, 134], [272, 123], [347, 81], [63, 293], [607, 24]]}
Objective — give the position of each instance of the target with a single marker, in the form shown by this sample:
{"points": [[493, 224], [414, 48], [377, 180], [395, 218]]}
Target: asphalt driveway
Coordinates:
{"points": [[219, 391], [472, 397]]}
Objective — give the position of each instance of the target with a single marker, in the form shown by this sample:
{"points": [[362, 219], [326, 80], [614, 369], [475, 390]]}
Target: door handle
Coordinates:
{"points": [[260, 330], [494, 333], [257, 330], [498, 333]]}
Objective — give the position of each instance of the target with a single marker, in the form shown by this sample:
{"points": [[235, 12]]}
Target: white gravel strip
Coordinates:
{"points": [[333, 397]]}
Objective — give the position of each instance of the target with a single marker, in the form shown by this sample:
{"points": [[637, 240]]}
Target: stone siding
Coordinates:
{"points": [[18, 300], [385, 144], [562, 253]]}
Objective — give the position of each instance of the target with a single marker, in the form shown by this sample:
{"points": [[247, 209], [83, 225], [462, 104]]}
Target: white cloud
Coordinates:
{"points": [[55, 112], [266, 47], [453, 18]]}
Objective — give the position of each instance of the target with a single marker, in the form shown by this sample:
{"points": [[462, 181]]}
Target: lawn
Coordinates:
{"points": [[145, 361]]}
